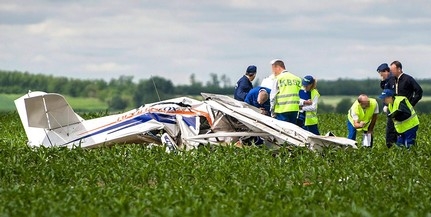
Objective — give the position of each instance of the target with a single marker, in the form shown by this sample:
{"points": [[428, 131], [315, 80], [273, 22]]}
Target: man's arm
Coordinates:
{"points": [[313, 106], [242, 89], [402, 113], [272, 95], [417, 92], [372, 124]]}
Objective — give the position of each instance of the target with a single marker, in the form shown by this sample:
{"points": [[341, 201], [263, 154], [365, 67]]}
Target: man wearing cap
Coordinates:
{"points": [[259, 98], [308, 101], [404, 116], [387, 82], [244, 85], [285, 93], [362, 116]]}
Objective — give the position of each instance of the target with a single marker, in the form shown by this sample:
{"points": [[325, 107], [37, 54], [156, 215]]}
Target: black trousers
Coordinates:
{"points": [[391, 134]]}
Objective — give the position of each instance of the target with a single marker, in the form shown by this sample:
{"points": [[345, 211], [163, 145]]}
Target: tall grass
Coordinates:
{"points": [[220, 181]]}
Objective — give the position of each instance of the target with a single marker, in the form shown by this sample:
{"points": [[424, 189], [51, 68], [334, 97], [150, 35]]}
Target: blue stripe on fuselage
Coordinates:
{"points": [[143, 118]]}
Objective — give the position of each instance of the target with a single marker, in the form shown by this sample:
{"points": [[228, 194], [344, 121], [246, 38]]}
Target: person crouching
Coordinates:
{"points": [[405, 119]]}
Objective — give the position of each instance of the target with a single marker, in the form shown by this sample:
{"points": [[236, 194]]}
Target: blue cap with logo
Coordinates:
{"points": [[251, 69], [387, 93], [307, 80], [383, 67]]}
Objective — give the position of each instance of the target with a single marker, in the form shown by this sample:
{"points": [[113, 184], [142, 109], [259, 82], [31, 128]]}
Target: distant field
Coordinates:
{"points": [[334, 100], [93, 104], [77, 103]]}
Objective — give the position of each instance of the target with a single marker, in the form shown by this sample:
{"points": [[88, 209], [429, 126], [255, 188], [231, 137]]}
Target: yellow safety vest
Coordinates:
{"points": [[412, 121], [287, 98], [311, 116], [364, 116]]}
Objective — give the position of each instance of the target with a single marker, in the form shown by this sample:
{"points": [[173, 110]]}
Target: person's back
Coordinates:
{"points": [[259, 98], [287, 99], [284, 97], [244, 85]]}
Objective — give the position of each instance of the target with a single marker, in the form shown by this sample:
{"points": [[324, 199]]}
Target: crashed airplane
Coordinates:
{"points": [[179, 123]]}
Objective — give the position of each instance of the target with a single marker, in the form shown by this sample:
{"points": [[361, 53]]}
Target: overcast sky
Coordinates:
{"points": [[175, 38]]}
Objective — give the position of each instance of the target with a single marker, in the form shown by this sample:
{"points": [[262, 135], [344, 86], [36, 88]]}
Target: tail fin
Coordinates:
{"points": [[40, 112]]}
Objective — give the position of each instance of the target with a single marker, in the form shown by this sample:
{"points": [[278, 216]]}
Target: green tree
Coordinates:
{"points": [[343, 106]]}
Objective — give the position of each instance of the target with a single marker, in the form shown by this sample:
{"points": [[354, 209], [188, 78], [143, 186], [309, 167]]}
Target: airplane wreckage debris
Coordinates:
{"points": [[178, 123]]}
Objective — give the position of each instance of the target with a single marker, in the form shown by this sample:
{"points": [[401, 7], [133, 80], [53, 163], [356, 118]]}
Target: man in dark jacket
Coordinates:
{"points": [[405, 85], [244, 85], [388, 82]]}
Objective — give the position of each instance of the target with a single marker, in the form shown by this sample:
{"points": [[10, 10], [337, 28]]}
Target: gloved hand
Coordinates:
{"points": [[385, 109]]}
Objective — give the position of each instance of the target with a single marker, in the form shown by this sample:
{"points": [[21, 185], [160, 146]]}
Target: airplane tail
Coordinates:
{"points": [[42, 112]]}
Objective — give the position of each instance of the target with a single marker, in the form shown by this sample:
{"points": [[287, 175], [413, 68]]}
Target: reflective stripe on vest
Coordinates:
{"points": [[287, 99], [364, 116], [412, 121], [311, 116]]}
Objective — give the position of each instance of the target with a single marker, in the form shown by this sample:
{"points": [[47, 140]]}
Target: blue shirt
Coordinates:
{"points": [[243, 86], [251, 98]]}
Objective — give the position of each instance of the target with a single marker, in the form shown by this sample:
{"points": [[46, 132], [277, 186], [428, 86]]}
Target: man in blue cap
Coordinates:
{"points": [[387, 82], [244, 85], [405, 120]]}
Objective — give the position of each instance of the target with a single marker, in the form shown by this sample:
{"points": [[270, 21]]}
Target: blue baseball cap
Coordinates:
{"points": [[383, 67], [387, 93], [251, 69], [307, 80]]}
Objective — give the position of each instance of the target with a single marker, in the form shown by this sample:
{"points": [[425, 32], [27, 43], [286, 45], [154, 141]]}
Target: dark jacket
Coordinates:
{"points": [[388, 83], [408, 87], [402, 113], [243, 86]]}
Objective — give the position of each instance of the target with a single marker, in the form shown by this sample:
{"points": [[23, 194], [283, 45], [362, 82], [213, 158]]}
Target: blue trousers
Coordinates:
{"points": [[352, 131], [408, 138], [312, 128], [287, 116]]}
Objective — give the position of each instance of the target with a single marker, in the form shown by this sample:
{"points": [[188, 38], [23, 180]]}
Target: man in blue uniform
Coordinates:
{"points": [[244, 85], [259, 98], [388, 82]]}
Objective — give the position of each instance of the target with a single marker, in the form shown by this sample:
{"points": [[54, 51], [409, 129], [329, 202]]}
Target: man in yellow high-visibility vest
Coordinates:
{"points": [[362, 116], [406, 121], [284, 93]]}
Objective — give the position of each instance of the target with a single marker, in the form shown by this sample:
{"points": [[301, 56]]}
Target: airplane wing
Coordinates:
{"points": [[283, 131]]}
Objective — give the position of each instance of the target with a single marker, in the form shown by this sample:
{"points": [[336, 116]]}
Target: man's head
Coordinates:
{"points": [[251, 72], [384, 70], [309, 82], [364, 101], [277, 66], [387, 96], [262, 97], [396, 68]]}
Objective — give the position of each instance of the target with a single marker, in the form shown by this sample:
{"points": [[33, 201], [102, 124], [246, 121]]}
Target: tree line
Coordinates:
{"points": [[123, 92]]}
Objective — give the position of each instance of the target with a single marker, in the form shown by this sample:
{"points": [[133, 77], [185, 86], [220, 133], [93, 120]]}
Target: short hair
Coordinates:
{"points": [[279, 63], [262, 96], [397, 64]]}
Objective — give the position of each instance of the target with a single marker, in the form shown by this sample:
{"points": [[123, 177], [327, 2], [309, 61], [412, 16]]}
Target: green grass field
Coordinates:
{"points": [[334, 100], [222, 181], [77, 103]]}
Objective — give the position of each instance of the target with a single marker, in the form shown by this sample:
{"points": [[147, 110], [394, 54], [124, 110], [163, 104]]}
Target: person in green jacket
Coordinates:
{"points": [[405, 119], [362, 116]]}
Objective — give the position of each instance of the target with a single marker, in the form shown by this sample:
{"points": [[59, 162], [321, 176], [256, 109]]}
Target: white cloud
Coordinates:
{"points": [[99, 39]]}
